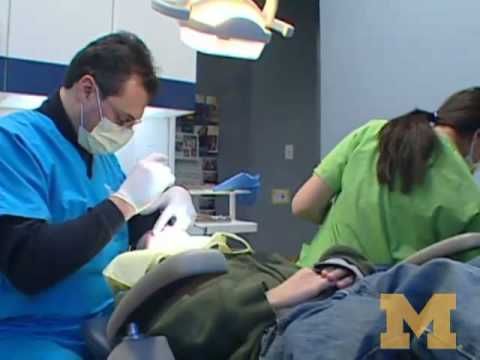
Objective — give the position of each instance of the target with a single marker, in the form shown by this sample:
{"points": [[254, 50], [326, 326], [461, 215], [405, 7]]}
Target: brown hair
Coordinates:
{"points": [[111, 60], [407, 142]]}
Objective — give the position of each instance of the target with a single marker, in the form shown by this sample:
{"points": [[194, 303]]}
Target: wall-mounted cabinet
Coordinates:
{"points": [[4, 4], [3, 26], [39, 38], [53, 30], [161, 34]]}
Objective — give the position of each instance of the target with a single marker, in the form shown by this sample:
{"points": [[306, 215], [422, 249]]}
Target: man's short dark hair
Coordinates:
{"points": [[111, 60]]}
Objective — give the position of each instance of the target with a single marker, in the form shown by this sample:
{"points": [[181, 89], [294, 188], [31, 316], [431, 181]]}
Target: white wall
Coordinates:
{"points": [[151, 135], [382, 58], [5, 111]]}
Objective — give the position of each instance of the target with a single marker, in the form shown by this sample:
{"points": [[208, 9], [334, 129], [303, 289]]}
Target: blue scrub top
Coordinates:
{"points": [[42, 176]]}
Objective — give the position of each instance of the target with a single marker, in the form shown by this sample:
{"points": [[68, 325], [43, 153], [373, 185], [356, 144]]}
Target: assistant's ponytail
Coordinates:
{"points": [[406, 145]]}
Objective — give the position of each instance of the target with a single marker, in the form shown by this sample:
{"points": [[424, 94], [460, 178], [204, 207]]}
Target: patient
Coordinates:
{"points": [[265, 308], [225, 317]]}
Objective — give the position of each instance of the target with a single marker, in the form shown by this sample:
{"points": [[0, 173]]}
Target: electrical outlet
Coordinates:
{"points": [[289, 152], [280, 196]]}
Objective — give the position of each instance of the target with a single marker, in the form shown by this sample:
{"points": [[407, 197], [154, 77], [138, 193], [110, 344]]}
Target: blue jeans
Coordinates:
{"points": [[348, 324]]}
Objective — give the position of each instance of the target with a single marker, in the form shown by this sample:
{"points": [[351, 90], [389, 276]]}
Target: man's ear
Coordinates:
{"points": [[85, 88]]}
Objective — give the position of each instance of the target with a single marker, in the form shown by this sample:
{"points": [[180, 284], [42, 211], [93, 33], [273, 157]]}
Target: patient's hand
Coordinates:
{"points": [[342, 278], [306, 284]]}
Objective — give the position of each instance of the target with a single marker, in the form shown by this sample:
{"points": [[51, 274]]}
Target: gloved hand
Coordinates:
{"points": [[177, 208], [147, 180]]}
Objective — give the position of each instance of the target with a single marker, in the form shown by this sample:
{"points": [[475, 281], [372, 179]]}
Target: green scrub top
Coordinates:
{"points": [[389, 226]]}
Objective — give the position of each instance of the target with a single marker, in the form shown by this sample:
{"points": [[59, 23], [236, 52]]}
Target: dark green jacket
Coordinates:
{"points": [[223, 317]]}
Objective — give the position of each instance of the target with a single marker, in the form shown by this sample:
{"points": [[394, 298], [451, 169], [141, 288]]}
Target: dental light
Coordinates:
{"points": [[233, 28]]}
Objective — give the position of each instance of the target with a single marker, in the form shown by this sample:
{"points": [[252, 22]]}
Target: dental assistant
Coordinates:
{"points": [[66, 208], [391, 188]]}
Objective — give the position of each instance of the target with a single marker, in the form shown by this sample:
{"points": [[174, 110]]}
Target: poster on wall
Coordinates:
{"points": [[186, 146], [209, 168]]}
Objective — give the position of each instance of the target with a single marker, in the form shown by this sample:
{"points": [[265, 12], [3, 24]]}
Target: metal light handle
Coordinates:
{"points": [[179, 9]]}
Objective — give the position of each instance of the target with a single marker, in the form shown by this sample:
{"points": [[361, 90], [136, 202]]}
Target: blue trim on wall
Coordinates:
{"points": [[180, 93], [33, 77], [2, 73], [42, 78]]}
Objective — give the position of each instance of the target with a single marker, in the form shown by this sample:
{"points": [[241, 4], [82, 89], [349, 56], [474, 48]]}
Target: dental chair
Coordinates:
{"points": [[119, 337]]}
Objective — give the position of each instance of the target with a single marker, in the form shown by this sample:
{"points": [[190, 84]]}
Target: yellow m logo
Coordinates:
{"points": [[437, 310]]}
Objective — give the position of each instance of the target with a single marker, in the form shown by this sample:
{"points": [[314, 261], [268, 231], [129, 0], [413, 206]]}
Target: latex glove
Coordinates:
{"points": [[177, 208], [171, 241], [147, 180]]}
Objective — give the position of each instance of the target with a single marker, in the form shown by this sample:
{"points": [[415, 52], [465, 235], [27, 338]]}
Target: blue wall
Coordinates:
{"points": [[383, 58], [263, 106]]}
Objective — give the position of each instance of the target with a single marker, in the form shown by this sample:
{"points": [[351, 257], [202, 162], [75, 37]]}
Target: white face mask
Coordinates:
{"points": [[105, 138], [470, 158]]}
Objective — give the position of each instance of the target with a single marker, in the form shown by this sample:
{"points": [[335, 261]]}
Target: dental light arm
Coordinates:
{"points": [[176, 9]]}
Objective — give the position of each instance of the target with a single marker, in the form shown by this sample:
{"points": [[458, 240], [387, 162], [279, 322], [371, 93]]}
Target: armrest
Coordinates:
{"points": [[95, 332], [172, 269], [150, 348], [444, 248]]}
